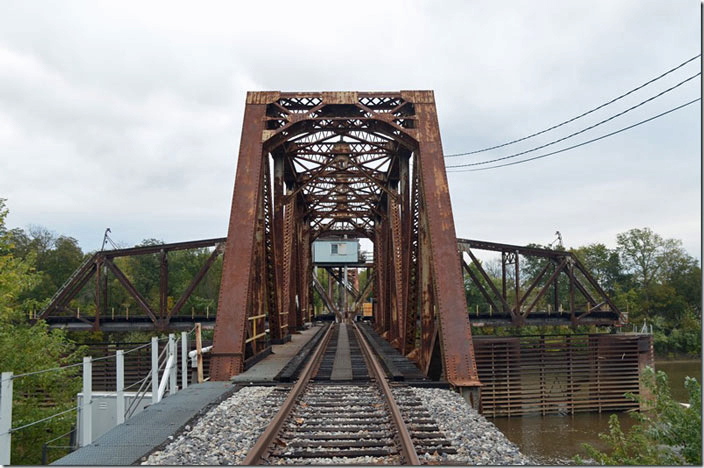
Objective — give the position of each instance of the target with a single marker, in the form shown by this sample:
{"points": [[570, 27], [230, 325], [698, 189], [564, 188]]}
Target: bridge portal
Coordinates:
{"points": [[356, 164]]}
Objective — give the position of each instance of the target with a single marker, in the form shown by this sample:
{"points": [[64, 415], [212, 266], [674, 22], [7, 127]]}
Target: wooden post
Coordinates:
{"points": [[199, 353]]}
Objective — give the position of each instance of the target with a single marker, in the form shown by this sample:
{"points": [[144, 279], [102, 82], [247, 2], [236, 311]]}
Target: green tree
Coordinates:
{"points": [[603, 263], [647, 255], [26, 348]]}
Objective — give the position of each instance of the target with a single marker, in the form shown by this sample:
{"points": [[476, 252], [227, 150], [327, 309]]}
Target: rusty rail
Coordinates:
{"points": [[409, 451], [261, 447]]}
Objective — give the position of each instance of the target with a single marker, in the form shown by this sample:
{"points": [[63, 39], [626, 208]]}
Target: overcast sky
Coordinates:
{"points": [[128, 114]]}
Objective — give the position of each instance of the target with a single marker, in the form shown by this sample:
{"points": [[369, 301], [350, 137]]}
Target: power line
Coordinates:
{"points": [[455, 155], [580, 144], [580, 131]]}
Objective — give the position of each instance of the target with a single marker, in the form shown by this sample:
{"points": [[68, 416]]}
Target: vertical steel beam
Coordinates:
{"points": [[100, 293], [397, 254], [455, 333], [518, 287], [228, 339], [277, 330], [163, 289], [287, 289], [503, 275]]}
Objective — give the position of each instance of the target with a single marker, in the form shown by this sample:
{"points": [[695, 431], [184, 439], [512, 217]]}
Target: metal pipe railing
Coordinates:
{"points": [[169, 378]]}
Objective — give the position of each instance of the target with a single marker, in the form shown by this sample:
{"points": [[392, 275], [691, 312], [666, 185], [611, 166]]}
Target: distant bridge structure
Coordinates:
{"points": [[147, 316]]}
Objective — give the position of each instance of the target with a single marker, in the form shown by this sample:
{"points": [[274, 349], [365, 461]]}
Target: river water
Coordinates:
{"points": [[555, 439]]}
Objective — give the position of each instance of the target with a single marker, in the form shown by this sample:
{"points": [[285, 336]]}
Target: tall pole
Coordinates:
{"points": [[5, 417], [85, 410], [344, 292], [173, 382], [120, 390], [184, 360], [155, 370]]}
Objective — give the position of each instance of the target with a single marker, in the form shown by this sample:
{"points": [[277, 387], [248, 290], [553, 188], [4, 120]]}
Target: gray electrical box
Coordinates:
{"points": [[105, 411]]}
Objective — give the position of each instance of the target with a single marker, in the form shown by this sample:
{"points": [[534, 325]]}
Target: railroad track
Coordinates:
{"points": [[342, 408]]}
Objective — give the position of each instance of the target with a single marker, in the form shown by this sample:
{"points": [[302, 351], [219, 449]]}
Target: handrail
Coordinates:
{"points": [[169, 379], [165, 378]]}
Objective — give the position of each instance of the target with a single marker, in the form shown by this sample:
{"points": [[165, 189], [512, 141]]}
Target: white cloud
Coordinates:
{"points": [[128, 114]]}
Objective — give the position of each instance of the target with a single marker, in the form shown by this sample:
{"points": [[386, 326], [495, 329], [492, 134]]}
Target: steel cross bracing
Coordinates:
{"points": [[147, 316], [364, 165], [536, 296]]}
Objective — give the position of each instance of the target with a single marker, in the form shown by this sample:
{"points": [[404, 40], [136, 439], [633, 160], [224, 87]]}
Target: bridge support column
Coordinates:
{"points": [[472, 395]]}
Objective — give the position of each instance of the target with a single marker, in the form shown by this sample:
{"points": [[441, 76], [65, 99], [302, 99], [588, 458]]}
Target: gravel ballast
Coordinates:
{"points": [[224, 435], [478, 442]]}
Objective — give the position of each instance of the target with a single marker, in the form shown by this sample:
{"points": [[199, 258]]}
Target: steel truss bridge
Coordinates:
{"points": [[362, 165]]}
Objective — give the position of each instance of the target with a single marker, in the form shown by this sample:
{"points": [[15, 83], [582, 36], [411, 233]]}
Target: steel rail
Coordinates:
{"points": [[407, 448], [261, 447]]}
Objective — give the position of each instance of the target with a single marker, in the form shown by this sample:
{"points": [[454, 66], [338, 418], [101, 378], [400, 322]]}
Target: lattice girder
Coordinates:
{"points": [[349, 163]]}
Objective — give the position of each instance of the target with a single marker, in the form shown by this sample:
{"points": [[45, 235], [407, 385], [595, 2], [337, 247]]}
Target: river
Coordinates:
{"points": [[555, 439]]}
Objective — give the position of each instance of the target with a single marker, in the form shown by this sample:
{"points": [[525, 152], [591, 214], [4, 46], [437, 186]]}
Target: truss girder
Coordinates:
{"points": [[519, 308], [366, 164]]}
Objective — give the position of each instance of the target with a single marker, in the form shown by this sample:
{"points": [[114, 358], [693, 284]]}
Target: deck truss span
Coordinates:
{"points": [[329, 165]]}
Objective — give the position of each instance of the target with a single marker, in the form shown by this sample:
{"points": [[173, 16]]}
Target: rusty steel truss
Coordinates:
{"points": [[535, 298], [97, 266], [361, 164]]}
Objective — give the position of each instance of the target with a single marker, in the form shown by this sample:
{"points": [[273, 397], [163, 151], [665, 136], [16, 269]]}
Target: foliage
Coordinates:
{"points": [[27, 348], [667, 434]]}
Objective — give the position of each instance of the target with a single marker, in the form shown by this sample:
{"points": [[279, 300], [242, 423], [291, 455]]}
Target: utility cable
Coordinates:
{"points": [[580, 131], [455, 155], [580, 144]]}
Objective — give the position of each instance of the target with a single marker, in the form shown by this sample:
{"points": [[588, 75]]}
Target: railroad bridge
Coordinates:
{"points": [[350, 165], [347, 165]]}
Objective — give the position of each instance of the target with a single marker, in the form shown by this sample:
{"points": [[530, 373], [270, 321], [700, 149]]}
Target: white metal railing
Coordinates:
{"points": [[167, 361]]}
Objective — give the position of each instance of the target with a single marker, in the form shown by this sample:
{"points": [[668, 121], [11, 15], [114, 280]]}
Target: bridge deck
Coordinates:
{"points": [[268, 368]]}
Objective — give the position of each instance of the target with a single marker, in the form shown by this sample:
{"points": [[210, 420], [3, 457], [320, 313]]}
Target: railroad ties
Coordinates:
{"points": [[342, 408]]}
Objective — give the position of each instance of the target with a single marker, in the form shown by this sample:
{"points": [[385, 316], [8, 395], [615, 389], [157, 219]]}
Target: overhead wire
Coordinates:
{"points": [[580, 131], [455, 155], [580, 144]]}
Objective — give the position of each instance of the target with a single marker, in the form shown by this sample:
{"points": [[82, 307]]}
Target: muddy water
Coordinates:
{"points": [[555, 439]]}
